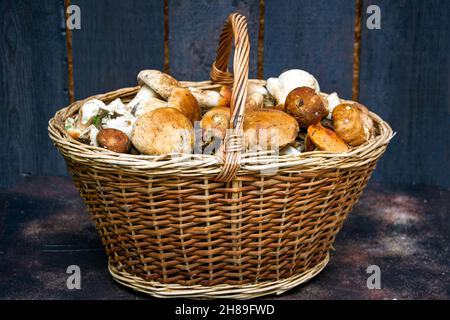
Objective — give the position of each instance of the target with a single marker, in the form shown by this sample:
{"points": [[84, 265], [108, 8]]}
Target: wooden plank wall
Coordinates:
{"points": [[117, 39], [404, 66], [405, 79], [33, 79], [316, 36], [194, 30]]}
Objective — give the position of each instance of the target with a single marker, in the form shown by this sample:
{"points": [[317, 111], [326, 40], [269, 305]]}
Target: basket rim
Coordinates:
{"points": [[207, 164]]}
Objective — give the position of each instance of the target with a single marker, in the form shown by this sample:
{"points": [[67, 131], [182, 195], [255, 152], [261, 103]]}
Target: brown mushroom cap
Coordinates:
{"points": [[352, 123], [160, 82], [163, 131], [215, 123], [183, 100], [114, 140], [268, 129], [325, 139], [225, 93], [305, 105]]}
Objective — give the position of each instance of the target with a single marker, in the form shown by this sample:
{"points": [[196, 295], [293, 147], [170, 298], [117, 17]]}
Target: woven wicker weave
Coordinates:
{"points": [[227, 226]]}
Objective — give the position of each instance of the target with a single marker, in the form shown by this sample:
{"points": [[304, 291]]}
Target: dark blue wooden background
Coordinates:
{"points": [[404, 66]]}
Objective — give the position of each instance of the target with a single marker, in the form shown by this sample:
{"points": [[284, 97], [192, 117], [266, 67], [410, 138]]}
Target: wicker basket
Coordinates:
{"points": [[226, 226]]}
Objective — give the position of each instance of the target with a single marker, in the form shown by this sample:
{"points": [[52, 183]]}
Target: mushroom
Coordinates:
{"points": [[183, 100], [88, 111], [161, 83], [118, 107], [147, 105], [225, 93], [255, 101], [289, 150], [268, 129], [308, 145], [215, 123], [86, 114], [143, 94], [352, 123], [114, 140], [305, 105], [280, 87], [89, 135], [325, 139], [209, 98], [163, 131], [256, 87], [122, 123], [331, 102]]}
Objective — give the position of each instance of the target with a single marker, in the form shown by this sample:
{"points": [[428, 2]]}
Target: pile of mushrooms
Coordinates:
{"points": [[288, 114]]}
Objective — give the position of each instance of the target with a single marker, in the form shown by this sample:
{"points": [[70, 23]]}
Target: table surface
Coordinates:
{"points": [[44, 228]]}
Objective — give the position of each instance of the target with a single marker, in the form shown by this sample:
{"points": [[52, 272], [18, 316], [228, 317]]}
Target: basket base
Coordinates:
{"points": [[250, 291]]}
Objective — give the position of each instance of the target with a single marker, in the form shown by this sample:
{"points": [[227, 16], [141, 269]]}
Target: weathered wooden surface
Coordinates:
{"points": [[44, 228], [194, 30], [117, 39], [33, 78], [313, 35], [405, 79]]}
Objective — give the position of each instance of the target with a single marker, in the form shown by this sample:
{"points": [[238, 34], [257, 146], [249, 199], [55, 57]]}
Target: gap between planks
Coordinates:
{"points": [[356, 50], [71, 84]]}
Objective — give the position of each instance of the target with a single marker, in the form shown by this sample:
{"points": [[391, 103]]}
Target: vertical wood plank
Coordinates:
{"points": [[194, 30], [405, 79], [314, 35], [33, 77], [117, 39]]}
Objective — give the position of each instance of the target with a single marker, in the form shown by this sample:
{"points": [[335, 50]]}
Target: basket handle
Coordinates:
{"points": [[229, 152]]}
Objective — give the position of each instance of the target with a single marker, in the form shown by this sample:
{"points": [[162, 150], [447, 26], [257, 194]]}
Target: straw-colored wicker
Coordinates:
{"points": [[227, 226]]}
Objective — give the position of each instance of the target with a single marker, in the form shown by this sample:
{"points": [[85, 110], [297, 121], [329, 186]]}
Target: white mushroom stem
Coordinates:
{"points": [[254, 101], [333, 101], [273, 85], [143, 94], [255, 87], [280, 87], [90, 135], [289, 150]]}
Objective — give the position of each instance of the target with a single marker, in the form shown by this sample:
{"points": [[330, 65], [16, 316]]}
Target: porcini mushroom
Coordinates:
{"points": [[214, 124], [161, 83], [268, 129], [183, 100], [305, 105], [163, 131], [114, 140], [352, 123], [325, 139], [280, 87]]}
